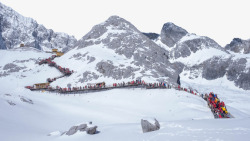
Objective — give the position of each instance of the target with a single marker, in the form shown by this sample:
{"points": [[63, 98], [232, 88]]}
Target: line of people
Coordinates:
{"points": [[218, 107], [158, 85], [51, 63]]}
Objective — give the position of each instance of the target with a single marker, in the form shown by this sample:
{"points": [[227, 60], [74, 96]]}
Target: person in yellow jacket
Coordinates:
{"points": [[224, 110]]}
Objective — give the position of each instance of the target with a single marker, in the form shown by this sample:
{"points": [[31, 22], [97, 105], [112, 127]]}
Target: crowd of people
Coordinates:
{"points": [[217, 107]]}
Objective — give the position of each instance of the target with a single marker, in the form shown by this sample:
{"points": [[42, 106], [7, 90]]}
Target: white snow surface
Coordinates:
{"points": [[117, 112]]}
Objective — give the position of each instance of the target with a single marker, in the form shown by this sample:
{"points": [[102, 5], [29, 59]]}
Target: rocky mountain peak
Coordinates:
{"points": [[143, 57], [238, 45], [171, 34]]}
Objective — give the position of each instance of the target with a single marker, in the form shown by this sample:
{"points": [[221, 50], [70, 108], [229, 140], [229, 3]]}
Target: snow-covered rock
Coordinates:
{"points": [[149, 125], [16, 29]]}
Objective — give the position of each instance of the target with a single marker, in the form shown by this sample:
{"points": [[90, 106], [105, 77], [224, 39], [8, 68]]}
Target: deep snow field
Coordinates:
{"points": [[30, 115]]}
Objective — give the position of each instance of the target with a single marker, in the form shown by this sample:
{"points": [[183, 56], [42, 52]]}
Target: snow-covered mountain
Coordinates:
{"points": [[117, 50], [204, 59], [16, 29]]}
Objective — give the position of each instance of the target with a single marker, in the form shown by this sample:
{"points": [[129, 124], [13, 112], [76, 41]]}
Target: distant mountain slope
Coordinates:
{"points": [[16, 29], [238, 45], [204, 59]]}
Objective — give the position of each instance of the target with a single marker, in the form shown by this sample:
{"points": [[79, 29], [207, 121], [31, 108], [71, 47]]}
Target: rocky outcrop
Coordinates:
{"points": [[2, 42], [149, 126], [238, 45], [16, 30], [171, 34]]}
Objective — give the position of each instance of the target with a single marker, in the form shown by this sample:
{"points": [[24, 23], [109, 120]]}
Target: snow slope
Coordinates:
{"points": [[19, 67], [31, 115]]}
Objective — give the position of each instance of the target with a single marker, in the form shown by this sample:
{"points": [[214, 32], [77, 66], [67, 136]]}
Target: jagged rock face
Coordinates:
{"points": [[239, 46], [239, 73], [16, 29], [171, 34], [191, 44], [122, 37], [2, 42], [214, 68], [152, 36]]}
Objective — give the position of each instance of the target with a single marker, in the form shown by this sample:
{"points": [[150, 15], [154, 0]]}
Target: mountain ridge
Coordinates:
{"points": [[16, 29]]}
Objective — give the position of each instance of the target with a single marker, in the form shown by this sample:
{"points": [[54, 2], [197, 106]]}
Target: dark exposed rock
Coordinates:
{"points": [[2, 42], [152, 36], [171, 34], [214, 68], [91, 130]]}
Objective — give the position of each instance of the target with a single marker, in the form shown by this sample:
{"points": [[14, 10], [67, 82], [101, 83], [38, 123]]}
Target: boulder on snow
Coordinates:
{"points": [[91, 130], [82, 127], [149, 125]]}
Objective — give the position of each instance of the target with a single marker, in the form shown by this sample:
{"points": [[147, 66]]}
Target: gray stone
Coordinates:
{"points": [[91, 130], [149, 127], [82, 127], [152, 36]]}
